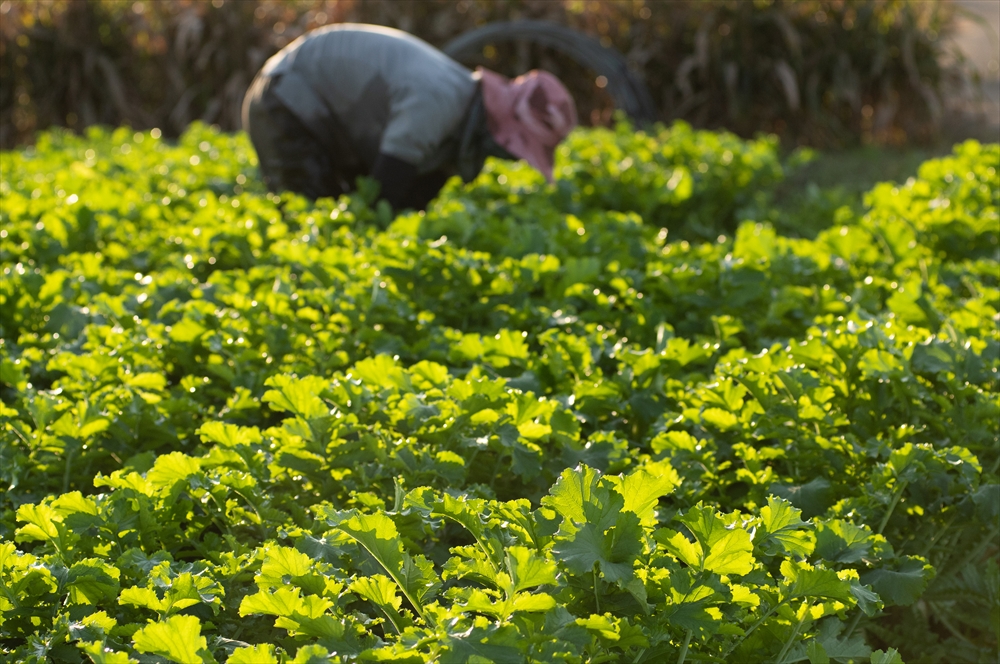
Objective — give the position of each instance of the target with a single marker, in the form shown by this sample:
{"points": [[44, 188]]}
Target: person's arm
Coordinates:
{"points": [[396, 178]]}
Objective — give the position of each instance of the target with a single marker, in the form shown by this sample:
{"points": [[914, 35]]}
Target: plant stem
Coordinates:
{"points": [[684, 648], [11, 597], [853, 625], [937, 536], [412, 600], [975, 553], [263, 528], [751, 630], [399, 583], [795, 633], [69, 467], [597, 596], [892, 506], [392, 621], [940, 616]]}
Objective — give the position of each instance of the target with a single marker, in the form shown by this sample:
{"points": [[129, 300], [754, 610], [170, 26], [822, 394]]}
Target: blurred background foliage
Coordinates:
{"points": [[825, 73]]}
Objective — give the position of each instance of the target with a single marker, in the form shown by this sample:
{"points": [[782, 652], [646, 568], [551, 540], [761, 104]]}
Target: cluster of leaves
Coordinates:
{"points": [[521, 426]]}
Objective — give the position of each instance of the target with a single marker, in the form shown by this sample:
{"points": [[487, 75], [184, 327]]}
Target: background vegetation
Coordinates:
{"points": [[817, 72]]}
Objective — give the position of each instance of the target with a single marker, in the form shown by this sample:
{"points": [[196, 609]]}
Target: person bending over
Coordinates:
{"points": [[349, 100]]}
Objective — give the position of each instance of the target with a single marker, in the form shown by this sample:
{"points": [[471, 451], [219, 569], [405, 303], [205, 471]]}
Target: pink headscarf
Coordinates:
{"points": [[528, 116]]}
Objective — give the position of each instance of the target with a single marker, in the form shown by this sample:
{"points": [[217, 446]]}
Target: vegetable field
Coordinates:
{"points": [[607, 420]]}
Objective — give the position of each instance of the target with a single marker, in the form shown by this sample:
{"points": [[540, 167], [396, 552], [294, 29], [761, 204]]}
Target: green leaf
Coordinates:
{"points": [[74, 502], [846, 648], [284, 565], [299, 615], [614, 549], [828, 645], [377, 534], [282, 602], [382, 371], [813, 498], [573, 492], [429, 374], [177, 639], [93, 427], [681, 547], [933, 357], [297, 395], [186, 590], [880, 364], [95, 627], [483, 644], [312, 655], [719, 547], [802, 580], [784, 529], [381, 591], [720, 419], [147, 381], [581, 496], [479, 601], [705, 524], [615, 630], [532, 603], [92, 581], [842, 541], [731, 554], [642, 489], [186, 330], [506, 344], [100, 654], [987, 500], [41, 520], [259, 654], [172, 468], [817, 653], [528, 569], [868, 601], [890, 657], [229, 435], [527, 525], [43, 409], [13, 375], [902, 582], [378, 589], [142, 597], [469, 513]]}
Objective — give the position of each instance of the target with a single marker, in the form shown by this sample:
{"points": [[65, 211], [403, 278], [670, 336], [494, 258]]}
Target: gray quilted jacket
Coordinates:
{"points": [[380, 90]]}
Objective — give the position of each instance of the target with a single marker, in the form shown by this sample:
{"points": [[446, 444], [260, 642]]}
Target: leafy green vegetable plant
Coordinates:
{"points": [[602, 420]]}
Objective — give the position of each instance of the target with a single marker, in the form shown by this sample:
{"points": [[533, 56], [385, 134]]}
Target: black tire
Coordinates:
{"points": [[628, 91]]}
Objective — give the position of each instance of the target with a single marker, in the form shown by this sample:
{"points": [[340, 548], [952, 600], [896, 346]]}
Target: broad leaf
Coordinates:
{"points": [[784, 530], [614, 550], [178, 639], [259, 654], [528, 569], [642, 489], [901, 583], [377, 534], [802, 580]]}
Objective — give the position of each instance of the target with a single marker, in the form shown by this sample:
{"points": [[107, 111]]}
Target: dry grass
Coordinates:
{"points": [[816, 72]]}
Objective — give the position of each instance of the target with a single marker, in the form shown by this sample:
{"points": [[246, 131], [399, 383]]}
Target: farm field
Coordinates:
{"points": [[630, 417]]}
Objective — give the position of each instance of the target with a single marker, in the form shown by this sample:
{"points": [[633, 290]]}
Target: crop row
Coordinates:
{"points": [[597, 421]]}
